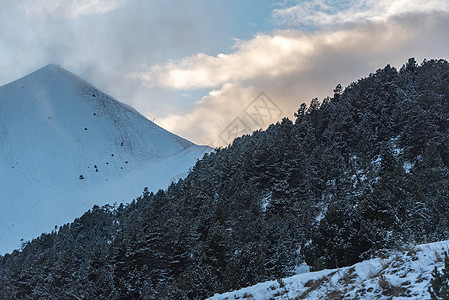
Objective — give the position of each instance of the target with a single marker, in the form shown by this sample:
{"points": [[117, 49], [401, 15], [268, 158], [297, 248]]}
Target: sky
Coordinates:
{"points": [[212, 70]]}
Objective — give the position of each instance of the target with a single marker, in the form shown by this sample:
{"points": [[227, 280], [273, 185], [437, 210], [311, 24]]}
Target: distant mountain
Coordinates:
{"points": [[66, 146]]}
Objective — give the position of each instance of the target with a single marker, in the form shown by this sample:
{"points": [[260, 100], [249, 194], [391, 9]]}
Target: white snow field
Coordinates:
{"points": [[402, 274], [65, 146]]}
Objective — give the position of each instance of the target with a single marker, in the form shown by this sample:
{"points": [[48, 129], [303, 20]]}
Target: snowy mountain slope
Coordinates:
{"points": [[65, 146], [402, 275]]}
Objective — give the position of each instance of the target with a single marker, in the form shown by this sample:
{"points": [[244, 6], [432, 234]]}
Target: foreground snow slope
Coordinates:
{"points": [[56, 128], [402, 275]]}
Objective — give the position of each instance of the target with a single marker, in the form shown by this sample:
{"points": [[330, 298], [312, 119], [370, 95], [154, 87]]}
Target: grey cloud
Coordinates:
{"points": [[105, 47], [328, 13], [340, 57]]}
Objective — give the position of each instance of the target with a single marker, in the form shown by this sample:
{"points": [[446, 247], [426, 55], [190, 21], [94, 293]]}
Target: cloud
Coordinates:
{"points": [[291, 67], [104, 47], [68, 8], [324, 13], [277, 54], [264, 55], [220, 116], [105, 43]]}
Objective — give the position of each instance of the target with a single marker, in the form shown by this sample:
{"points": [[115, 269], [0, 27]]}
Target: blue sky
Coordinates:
{"points": [[197, 66], [249, 17]]}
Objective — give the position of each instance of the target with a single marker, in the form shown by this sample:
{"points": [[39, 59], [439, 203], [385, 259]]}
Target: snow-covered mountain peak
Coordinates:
{"points": [[50, 68], [49, 75], [66, 146], [58, 100]]}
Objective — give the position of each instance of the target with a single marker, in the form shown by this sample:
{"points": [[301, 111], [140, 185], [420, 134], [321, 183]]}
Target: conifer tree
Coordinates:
{"points": [[439, 284]]}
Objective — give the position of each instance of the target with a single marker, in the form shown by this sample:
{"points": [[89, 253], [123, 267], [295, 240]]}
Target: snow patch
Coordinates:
{"points": [[408, 166], [404, 274], [266, 201]]}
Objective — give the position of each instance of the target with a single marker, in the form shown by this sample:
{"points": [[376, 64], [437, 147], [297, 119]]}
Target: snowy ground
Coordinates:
{"points": [[403, 274]]}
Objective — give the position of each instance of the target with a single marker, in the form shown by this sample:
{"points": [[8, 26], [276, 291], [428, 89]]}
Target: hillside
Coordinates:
{"points": [[55, 128], [360, 173], [401, 274]]}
